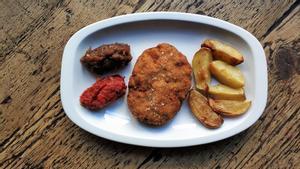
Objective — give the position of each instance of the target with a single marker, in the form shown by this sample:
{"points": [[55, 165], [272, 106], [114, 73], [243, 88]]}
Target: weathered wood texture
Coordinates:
{"points": [[36, 133]]}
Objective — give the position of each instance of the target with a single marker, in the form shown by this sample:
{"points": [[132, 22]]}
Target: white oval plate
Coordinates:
{"points": [[144, 30]]}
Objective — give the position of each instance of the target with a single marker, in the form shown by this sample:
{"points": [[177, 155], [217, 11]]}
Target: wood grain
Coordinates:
{"points": [[35, 132]]}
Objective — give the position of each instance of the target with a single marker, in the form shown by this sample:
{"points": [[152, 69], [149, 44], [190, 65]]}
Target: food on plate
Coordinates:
{"points": [[107, 57], [230, 107], [106, 90], [160, 81], [200, 65], [226, 93], [224, 52], [227, 74], [203, 112]]}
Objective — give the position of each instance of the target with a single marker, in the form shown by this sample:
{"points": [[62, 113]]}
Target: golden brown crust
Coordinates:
{"points": [[200, 65], [224, 52], [202, 111], [159, 83]]}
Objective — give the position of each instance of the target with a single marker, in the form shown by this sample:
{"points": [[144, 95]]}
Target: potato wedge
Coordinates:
{"points": [[203, 112], [200, 65], [224, 52], [223, 92], [229, 107], [227, 74]]}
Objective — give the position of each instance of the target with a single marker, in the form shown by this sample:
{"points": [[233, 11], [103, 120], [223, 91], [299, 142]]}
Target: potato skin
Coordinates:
{"points": [[224, 52], [230, 108], [160, 81], [202, 111], [223, 92], [200, 65], [227, 74]]}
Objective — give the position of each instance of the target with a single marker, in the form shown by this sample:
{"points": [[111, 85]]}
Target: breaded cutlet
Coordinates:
{"points": [[160, 81]]}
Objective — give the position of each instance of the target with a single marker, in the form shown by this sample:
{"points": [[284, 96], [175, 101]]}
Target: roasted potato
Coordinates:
{"points": [[227, 74], [203, 112], [230, 107], [223, 92], [200, 65], [224, 52]]}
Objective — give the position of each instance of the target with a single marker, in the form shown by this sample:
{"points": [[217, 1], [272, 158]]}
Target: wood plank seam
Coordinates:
{"points": [[280, 19]]}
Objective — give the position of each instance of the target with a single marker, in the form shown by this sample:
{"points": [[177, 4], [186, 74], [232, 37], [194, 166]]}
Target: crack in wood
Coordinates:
{"points": [[54, 92], [279, 128], [6, 100], [8, 139], [288, 142], [149, 157], [16, 156], [235, 153], [26, 129], [138, 5], [195, 3], [280, 19], [267, 139], [158, 6]]}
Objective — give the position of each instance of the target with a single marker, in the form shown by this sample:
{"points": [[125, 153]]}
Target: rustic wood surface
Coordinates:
{"points": [[35, 132]]}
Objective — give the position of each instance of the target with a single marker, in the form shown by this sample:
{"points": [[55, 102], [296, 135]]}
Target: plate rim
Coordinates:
{"points": [[260, 72]]}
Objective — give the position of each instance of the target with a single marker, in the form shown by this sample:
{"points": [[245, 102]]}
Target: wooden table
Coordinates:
{"points": [[36, 133]]}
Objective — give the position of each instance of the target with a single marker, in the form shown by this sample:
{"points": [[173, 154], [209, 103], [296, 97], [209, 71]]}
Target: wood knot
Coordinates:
{"points": [[286, 61]]}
